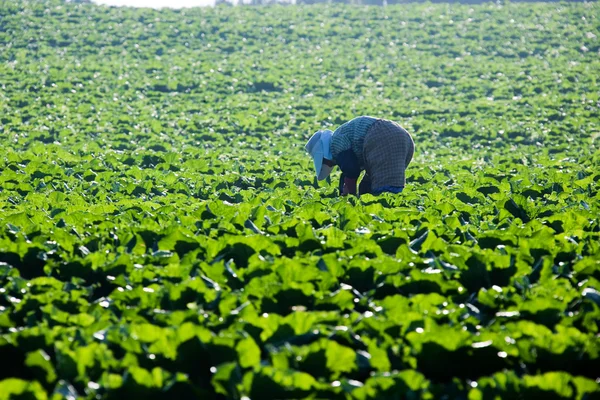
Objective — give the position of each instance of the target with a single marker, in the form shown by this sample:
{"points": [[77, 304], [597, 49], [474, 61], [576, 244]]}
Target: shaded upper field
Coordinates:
{"points": [[499, 75]]}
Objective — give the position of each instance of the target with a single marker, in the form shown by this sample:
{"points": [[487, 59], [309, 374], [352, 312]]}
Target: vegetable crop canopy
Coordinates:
{"points": [[162, 234]]}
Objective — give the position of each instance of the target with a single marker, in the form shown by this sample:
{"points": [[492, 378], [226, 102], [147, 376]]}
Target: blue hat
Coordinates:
{"points": [[319, 147]]}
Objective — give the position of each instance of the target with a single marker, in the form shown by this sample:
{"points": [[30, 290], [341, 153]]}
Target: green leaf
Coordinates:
{"points": [[13, 388], [340, 358], [226, 378], [249, 353], [146, 332], [550, 383], [39, 359]]}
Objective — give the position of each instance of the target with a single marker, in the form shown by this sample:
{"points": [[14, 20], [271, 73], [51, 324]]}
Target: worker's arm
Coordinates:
{"points": [[348, 163]]}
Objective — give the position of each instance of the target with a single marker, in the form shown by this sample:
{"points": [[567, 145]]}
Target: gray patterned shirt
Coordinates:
{"points": [[351, 135]]}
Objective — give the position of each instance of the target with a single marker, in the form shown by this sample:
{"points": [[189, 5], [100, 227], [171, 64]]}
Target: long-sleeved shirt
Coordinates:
{"points": [[347, 145], [351, 136]]}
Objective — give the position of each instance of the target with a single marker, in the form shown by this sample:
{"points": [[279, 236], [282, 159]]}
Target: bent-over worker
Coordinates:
{"points": [[380, 147]]}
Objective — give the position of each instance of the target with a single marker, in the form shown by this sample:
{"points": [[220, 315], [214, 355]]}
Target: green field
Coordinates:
{"points": [[162, 235]]}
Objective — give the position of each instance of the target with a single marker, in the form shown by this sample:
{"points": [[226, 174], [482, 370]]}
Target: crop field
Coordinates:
{"points": [[162, 235]]}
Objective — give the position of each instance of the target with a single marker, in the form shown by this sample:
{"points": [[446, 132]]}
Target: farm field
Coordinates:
{"points": [[162, 235]]}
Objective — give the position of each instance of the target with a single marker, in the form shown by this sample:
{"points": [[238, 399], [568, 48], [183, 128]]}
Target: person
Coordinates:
{"points": [[382, 148]]}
